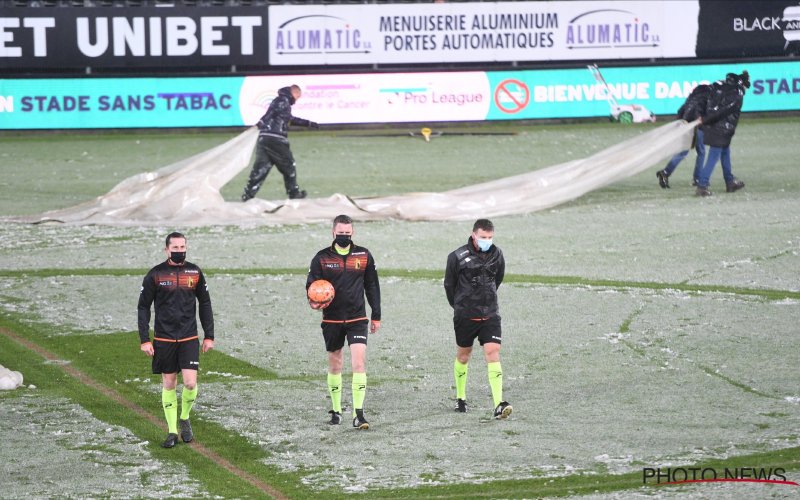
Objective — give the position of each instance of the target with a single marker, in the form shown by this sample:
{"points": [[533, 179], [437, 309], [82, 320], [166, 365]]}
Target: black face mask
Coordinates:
{"points": [[177, 257], [343, 240]]}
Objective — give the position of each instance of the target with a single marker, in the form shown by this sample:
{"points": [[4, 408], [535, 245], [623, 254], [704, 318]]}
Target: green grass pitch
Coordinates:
{"points": [[642, 328]]}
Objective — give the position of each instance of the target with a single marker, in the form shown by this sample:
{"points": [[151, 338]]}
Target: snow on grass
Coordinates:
{"points": [[625, 243], [601, 379], [231, 376], [87, 303], [53, 448], [693, 377]]}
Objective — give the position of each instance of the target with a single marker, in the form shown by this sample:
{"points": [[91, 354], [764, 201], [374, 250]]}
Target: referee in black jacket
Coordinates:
{"points": [[473, 274], [176, 286], [351, 270]]}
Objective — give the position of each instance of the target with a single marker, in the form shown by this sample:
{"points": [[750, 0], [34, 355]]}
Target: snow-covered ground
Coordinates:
{"points": [[602, 379], [690, 377], [53, 448]]}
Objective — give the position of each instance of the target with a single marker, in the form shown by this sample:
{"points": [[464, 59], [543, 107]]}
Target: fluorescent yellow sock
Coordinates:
{"points": [[335, 390], [187, 401], [496, 381], [359, 391], [169, 400], [460, 374]]}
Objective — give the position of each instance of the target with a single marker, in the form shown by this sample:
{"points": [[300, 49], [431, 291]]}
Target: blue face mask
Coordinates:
{"points": [[484, 245]]}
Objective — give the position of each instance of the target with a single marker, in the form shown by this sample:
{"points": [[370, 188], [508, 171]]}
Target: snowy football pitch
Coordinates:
{"points": [[642, 328]]}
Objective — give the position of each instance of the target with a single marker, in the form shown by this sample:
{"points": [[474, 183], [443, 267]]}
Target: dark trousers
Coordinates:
{"points": [[271, 151]]}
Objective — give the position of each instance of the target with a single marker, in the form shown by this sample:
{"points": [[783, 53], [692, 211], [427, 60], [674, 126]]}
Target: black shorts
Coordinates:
{"points": [[336, 333], [486, 331], [169, 357]]}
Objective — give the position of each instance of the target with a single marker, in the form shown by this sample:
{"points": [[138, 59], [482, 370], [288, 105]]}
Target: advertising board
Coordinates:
{"points": [[378, 97]]}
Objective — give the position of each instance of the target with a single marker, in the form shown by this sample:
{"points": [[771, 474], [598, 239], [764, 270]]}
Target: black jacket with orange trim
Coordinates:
{"points": [[353, 276], [176, 291], [471, 280]]}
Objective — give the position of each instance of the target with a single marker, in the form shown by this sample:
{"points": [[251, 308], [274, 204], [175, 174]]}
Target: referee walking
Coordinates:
{"points": [[351, 270], [176, 286], [473, 274]]}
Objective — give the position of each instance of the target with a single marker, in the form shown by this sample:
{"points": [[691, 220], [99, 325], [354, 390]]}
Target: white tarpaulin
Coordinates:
{"points": [[187, 193]]}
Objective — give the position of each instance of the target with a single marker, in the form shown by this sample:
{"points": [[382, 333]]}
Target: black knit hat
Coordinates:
{"points": [[741, 80]]}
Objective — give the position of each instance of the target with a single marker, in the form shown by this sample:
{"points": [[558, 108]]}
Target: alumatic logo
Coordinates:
{"points": [[606, 28], [320, 34]]}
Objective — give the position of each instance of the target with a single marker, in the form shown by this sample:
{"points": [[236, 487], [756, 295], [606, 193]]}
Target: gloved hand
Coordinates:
{"points": [[313, 125]]}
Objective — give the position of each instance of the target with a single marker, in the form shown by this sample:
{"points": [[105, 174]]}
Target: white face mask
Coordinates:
{"points": [[484, 245]]}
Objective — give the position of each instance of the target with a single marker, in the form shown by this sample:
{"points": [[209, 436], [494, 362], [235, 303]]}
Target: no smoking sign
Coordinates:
{"points": [[511, 96]]}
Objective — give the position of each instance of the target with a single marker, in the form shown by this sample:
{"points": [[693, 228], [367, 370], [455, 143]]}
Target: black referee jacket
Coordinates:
{"points": [[176, 291], [353, 276], [471, 280]]}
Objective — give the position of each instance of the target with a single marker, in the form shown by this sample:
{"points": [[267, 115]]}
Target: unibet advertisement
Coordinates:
{"points": [[167, 36], [97, 103], [324, 34]]}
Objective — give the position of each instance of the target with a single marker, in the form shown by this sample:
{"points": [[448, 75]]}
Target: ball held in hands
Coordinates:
{"points": [[320, 294]]}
